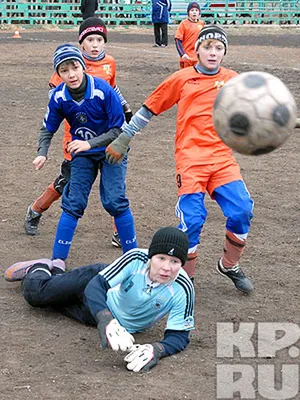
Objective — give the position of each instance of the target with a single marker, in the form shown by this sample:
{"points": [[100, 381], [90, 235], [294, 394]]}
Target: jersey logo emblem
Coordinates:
{"points": [[171, 252], [81, 117], [189, 322], [219, 84], [107, 69], [157, 304], [128, 287]]}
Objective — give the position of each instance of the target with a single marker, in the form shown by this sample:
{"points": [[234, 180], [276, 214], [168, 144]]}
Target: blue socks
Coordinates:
{"points": [[64, 235], [125, 227]]}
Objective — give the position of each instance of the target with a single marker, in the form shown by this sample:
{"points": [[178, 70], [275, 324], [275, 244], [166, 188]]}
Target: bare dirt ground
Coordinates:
{"points": [[47, 356]]}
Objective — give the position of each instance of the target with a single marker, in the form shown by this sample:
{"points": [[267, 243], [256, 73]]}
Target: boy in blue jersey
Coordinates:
{"points": [[130, 295], [95, 115]]}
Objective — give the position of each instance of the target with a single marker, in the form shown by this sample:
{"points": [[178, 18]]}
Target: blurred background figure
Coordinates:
{"points": [[160, 20], [88, 8]]}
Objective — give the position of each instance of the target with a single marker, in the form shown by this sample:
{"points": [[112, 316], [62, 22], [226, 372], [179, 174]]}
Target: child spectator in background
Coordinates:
{"points": [[92, 37], [187, 34], [160, 20]]}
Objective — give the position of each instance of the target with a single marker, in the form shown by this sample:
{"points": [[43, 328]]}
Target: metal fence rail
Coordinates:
{"points": [[138, 12]]}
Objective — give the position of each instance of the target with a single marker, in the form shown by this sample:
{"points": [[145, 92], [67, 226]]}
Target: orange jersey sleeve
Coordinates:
{"points": [[188, 32], [196, 141]]}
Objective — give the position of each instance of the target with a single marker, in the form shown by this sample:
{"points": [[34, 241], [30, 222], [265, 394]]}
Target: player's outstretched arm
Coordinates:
{"points": [[111, 333], [143, 357], [118, 149]]}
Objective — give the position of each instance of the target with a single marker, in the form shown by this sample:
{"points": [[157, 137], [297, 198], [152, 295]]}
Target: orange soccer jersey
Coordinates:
{"points": [[197, 145], [105, 69], [188, 32]]}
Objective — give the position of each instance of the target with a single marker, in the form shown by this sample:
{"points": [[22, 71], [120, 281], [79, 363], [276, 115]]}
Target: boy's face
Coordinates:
{"points": [[164, 268], [71, 72], [194, 14], [211, 54], [93, 45]]}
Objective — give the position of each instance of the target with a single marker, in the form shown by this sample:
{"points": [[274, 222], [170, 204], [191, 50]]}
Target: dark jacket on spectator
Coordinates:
{"points": [[160, 11], [88, 8]]}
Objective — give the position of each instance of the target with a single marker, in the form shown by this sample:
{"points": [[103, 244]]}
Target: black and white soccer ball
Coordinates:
{"points": [[254, 113]]}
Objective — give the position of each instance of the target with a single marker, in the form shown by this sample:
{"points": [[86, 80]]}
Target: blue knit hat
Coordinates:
{"points": [[65, 52], [191, 5]]}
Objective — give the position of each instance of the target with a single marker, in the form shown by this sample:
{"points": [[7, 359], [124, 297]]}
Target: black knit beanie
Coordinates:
{"points": [[191, 5], [171, 241], [211, 32], [92, 26]]}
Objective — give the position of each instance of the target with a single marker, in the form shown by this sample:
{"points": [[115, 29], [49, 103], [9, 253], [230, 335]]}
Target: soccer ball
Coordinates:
{"points": [[254, 113]]}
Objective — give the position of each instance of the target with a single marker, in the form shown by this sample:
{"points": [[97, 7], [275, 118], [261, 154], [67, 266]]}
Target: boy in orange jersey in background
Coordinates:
{"points": [[187, 34], [203, 161], [92, 37]]}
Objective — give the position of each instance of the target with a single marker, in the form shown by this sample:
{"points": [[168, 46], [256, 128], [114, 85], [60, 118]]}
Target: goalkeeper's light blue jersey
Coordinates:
{"points": [[137, 303]]}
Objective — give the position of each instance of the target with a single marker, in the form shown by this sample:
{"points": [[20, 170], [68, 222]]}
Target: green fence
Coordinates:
{"points": [[138, 12]]}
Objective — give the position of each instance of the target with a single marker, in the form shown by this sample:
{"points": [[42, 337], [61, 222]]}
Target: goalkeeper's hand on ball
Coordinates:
{"points": [[117, 150], [143, 357], [112, 333]]}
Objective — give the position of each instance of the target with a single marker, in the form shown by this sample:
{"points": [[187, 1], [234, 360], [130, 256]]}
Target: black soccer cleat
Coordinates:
{"points": [[241, 282], [32, 221], [115, 240]]}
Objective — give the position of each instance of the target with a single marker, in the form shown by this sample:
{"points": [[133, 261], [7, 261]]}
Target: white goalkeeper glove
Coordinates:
{"points": [[118, 337], [112, 333], [143, 357]]}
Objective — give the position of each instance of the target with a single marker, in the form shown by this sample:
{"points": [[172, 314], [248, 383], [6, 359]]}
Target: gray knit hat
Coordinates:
{"points": [[171, 241]]}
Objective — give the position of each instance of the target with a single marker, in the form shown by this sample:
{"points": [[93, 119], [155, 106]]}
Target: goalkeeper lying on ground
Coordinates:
{"points": [[130, 295]]}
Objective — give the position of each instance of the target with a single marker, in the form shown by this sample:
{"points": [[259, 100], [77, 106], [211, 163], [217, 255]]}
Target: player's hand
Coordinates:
{"points": [[77, 146], [118, 337], [143, 357], [117, 150], [39, 162], [112, 333]]}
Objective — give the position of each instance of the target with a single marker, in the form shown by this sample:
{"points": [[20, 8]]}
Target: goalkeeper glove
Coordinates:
{"points": [[118, 148], [112, 333], [143, 357]]}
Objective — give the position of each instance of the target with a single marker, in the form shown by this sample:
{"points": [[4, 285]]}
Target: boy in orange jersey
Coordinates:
{"points": [[92, 37], [187, 34], [203, 161]]}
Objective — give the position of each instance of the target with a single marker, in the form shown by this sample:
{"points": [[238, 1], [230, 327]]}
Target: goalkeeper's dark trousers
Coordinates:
{"points": [[63, 291]]}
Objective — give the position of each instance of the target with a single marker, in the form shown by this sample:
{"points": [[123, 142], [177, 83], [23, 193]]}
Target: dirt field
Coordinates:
{"points": [[47, 356]]}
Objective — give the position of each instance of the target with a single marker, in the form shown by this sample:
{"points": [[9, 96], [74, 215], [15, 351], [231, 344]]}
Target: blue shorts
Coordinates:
{"points": [[234, 200], [112, 187]]}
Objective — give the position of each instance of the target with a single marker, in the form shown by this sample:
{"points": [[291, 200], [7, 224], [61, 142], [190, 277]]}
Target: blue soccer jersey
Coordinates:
{"points": [[97, 113], [138, 303]]}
